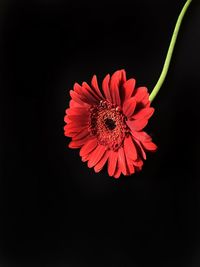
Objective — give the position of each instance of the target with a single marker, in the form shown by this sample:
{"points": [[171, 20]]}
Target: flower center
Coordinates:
{"points": [[107, 124], [110, 124]]}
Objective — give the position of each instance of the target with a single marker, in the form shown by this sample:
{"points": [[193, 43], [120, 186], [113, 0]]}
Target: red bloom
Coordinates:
{"points": [[108, 124]]}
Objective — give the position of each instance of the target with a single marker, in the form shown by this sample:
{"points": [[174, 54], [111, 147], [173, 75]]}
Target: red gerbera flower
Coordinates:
{"points": [[107, 124]]}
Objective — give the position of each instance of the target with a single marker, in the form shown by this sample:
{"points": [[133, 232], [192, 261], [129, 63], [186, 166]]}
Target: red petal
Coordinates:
{"points": [[77, 111], [138, 163], [149, 146], [78, 143], [129, 107], [92, 91], [106, 87], [143, 113], [131, 168], [84, 94], [74, 104], [81, 118], [96, 87], [130, 149], [128, 88], [77, 123], [96, 155], [88, 147], [140, 93], [81, 134], [69, 134], [112, 162], [115, 84], [78, 89], [137, 125], [146, 102], [123, 76], [122, 161], [65, 127], [141, 136], [140, 149], [66, 119], [117, 171], [76, 97], [99, 166], [86, 157], [67, 110], [72, 128]]}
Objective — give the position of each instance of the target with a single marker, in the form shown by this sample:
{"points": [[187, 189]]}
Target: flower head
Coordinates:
{"points": [[107, 124]]}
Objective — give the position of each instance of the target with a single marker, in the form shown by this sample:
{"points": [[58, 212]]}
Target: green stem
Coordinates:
{"points": [[169, 53]]}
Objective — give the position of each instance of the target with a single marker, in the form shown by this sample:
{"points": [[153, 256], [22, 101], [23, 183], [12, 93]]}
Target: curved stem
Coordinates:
{"points": [[169, 53]]}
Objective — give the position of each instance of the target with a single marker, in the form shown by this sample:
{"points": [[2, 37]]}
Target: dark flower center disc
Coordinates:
{"points": [[107, 124], [110, 124]]}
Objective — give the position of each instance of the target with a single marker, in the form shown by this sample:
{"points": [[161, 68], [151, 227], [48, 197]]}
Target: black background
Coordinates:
{"points": [[54, 209]]}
